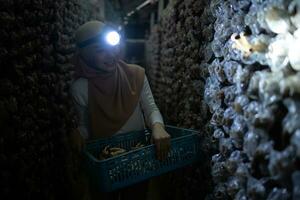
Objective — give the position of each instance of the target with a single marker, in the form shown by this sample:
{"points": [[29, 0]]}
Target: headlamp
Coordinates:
{"points": [[107, 38], [112, 38]]}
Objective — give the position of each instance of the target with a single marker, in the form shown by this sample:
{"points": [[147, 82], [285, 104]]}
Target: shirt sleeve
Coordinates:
{"points": [[81, 108], [151, 112]]}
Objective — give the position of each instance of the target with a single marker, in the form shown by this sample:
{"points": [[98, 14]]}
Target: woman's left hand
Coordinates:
{"points": [[162, 140]]}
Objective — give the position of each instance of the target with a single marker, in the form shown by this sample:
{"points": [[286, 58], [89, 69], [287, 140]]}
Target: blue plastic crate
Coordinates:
{"points": [[140, 164]]}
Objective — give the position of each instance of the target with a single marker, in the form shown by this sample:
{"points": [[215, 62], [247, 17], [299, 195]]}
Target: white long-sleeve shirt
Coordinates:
{"points": [[146, 105]]}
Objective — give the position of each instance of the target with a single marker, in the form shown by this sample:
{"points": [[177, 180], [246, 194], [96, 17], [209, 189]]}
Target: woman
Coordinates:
{"points": [[111, 95]]}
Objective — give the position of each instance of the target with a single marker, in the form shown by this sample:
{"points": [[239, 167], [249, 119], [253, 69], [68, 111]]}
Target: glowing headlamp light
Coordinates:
{"points": [[110, 38]]}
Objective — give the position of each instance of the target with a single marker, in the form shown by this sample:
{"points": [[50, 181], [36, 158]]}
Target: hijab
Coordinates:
{"points": [[113, 91]]}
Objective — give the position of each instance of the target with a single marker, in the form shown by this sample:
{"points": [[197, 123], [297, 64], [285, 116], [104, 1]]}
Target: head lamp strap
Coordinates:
{"points": [[92, 40]]}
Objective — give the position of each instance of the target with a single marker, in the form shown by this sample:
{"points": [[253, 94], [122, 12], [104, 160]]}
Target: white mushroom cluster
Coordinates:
{"points": [[249, 63], [253, 93]]}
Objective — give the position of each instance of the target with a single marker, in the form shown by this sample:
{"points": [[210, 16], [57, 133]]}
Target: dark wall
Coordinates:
{"points": [[177, 67], [36, 113]]}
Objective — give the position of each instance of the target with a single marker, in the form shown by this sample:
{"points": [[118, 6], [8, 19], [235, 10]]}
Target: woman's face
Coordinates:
{"points": [[105, 58], [101, 58]]}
